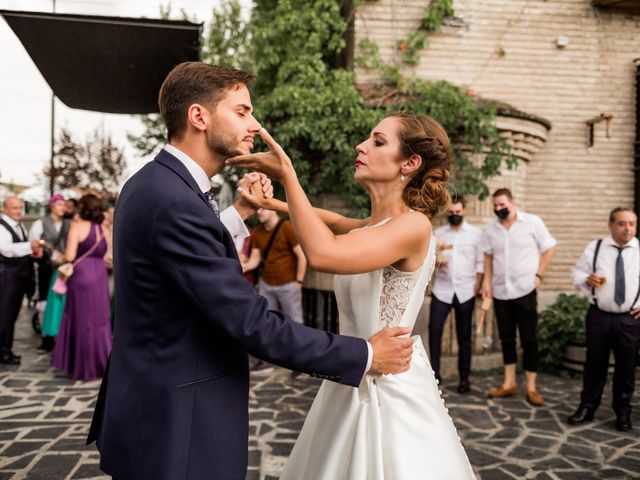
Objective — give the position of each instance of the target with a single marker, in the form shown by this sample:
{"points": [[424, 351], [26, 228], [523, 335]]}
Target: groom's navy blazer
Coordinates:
{"points": [[173, 404]]}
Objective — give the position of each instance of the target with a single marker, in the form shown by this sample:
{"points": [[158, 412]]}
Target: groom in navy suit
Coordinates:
{"points": [[174, 401]]}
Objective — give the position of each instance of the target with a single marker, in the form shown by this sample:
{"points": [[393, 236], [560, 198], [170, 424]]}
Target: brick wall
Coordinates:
{"points": [[572, 187]]}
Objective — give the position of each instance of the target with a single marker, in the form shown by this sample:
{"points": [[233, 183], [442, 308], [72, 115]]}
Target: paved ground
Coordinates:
{"points": [[44, 418]]}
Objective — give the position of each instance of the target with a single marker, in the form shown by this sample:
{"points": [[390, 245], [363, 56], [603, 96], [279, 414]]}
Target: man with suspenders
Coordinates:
{"points": [[610, 270], [16, 270]]}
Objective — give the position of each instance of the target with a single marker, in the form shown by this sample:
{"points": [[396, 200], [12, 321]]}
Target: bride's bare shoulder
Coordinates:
{"points": [[412, 222]]}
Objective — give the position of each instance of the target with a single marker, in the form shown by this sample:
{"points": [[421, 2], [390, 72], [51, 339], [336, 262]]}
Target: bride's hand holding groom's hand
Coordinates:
{"points": [[254, 191], [391, 351]]}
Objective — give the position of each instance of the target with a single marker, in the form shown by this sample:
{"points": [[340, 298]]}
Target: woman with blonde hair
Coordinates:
{"points": [[392, 426]]}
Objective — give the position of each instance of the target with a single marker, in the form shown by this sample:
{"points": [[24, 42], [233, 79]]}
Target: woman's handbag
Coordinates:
{"points": [[66, 269], [60, 285]]}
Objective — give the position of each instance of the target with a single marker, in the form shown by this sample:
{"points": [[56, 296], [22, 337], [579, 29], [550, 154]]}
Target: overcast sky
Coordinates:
{"points": [[25, 97]]}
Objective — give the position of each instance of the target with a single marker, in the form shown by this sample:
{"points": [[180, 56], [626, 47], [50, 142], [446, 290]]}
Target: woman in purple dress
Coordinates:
{"points": [[84, 339]]}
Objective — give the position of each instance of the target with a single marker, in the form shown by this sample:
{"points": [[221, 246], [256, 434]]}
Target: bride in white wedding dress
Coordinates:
{"points": [[392, 426]]}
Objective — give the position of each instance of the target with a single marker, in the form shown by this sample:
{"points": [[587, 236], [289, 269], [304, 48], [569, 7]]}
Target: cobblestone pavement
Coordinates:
{"points": [[44, 419]]}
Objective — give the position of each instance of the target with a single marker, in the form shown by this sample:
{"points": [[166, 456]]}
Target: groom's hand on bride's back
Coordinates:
{"points": [[392, 350]]}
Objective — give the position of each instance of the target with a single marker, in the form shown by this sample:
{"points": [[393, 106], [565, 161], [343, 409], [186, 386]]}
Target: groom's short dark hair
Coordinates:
{"points": [[194, 82]]}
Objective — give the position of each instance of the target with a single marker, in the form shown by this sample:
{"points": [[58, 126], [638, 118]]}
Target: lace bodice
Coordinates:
{"points": [[387, 297], [396, 292]]}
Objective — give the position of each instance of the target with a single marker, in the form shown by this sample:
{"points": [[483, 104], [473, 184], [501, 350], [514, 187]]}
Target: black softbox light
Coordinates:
{"points": [[104, 64]]}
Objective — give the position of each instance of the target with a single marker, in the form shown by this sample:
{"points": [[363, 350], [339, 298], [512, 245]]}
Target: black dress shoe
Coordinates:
{"points": [[582, 415], [47, 344], [623, 422], [9, 359], [463, 386]]}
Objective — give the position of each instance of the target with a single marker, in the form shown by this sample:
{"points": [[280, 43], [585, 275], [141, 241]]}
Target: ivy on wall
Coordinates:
{"points": [[316, 111]]}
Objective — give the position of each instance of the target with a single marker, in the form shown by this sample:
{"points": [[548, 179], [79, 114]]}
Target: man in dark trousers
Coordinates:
{"points": [[455, 284], [174, 402], [16, 273], [609, 270], [517, 251]]}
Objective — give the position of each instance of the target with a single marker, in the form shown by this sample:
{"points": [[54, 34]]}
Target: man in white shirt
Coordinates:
{"points": [[460, 265], [609, 269], [518, 248], [16, 273]]}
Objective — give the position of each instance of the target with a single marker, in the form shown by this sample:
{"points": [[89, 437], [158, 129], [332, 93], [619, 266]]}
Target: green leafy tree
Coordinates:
{"points": [[313, 107], [97, 164], [226, 42], [153, 137]]}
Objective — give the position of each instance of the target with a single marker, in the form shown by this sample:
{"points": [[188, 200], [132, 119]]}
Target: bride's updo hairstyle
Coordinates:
{"points": [[426, 189]]}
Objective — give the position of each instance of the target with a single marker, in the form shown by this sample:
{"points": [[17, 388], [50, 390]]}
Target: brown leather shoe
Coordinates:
{"points": [[502, 392], [535, 399]]}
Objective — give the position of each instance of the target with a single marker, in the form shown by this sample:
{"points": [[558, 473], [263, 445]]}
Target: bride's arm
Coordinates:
{"points": [[405, 237], [337, 223]]}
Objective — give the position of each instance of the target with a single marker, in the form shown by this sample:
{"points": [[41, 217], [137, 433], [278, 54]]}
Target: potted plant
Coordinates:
{"points": [[561, 332]]}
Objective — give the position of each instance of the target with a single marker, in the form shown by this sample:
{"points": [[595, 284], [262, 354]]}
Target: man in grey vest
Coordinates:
{"points": [[53, 229], [609, 270], [16, 271]]}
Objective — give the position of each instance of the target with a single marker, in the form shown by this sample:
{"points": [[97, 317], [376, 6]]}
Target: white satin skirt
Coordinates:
{"points": [[391, 427]]}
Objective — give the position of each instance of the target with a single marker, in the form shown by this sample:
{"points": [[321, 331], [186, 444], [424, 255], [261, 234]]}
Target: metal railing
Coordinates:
{"points": [[319, 309]]}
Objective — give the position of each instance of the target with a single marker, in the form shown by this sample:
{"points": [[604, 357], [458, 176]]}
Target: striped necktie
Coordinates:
{"points": [[212, 203]]}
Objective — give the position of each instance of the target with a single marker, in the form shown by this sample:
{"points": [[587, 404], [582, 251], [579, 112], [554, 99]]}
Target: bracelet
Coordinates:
{"points": [[539, 276], [300, 281]]}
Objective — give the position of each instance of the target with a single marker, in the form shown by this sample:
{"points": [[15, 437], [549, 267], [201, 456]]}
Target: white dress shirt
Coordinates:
{"points": [[516, 254], [606, 267], [7, 247], [37, 229], [229, 217], [464, 261]]}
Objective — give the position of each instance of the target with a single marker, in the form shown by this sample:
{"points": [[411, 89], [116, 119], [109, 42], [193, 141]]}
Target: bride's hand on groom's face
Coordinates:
{"points": [[275, 163], [391, 352]]}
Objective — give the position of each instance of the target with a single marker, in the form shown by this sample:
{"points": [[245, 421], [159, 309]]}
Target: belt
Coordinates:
{"points": [[615, 314]]}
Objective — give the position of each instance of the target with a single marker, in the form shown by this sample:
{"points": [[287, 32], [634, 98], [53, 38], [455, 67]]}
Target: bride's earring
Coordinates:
{"points": [[401, 177]]}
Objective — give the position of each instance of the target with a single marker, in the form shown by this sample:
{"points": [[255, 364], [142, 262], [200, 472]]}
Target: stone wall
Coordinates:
{"points": [[506, 50]]}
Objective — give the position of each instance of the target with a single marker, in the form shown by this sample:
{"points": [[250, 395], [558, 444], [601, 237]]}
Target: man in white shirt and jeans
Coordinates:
{"points": [[518, 248], [460, 264], [609, 270]]}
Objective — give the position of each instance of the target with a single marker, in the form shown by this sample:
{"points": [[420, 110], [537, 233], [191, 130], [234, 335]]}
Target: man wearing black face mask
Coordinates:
{"points": [[518, 248], [460, 264]]}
